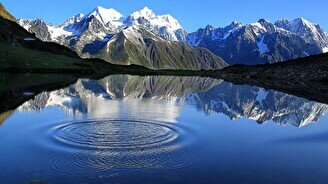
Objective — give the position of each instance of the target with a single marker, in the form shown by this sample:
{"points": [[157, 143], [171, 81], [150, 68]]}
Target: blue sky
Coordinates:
{"points": [[192, 14]]}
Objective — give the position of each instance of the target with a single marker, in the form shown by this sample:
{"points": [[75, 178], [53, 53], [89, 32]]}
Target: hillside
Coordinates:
{"points": [[138, 46], [22, 51], [306, 77], [5, 14]]}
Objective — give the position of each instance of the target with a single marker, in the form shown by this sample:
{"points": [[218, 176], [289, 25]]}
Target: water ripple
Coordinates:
{"points": [[116, 135], [110, 148]]}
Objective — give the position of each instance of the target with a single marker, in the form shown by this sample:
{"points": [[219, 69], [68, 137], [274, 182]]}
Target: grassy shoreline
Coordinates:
{"points": [[303, 77]]}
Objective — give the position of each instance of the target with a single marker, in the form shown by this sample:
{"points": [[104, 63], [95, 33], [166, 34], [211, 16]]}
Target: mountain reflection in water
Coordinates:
{"points": [[157, 129], [161, 98]]}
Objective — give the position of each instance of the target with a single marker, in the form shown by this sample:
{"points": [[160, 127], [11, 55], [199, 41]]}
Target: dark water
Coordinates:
{"points": [[130, 129]]}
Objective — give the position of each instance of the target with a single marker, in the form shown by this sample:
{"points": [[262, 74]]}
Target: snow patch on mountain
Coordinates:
{"points": [[232, 31], [261, 95], [325, 50], [132, 33], [263, 48], [57, 32], [244, 43], [25, 23]]}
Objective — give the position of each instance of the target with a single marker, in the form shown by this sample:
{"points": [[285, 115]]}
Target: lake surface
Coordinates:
{"points": [[163, 129]]}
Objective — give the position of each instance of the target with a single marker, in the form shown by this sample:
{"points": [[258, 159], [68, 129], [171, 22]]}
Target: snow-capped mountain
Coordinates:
{"points": [[109, 17], [72, 20], [262, 41], [143, 38], [164, 25], [37, 26], [310, 32], [111, 21], [95, 98], [237, 101], [255, 43]]}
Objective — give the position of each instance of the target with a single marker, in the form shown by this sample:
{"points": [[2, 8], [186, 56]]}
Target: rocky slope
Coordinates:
{"points": [[262, 42], [135, 45], [38, 27]]}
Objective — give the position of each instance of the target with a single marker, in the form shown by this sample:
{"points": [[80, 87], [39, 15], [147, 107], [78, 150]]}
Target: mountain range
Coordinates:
{"points": [[97, 98], [143, 38], [92, 34], [262, 42]]}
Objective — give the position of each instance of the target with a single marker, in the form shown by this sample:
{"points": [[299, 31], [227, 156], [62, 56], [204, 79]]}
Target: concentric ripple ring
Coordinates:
{"points": [[109, 147], [116, 134]]}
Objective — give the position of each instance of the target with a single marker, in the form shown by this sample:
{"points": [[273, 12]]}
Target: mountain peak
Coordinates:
{"points": [[72, 20], [263, 21], [146, 9], [282, 22], [105, 15], [209, 27], [80, 15], [235, 23], [145, 13], [105, 10], [305, 22], [302, 19], [166, 25], [301, 24]]}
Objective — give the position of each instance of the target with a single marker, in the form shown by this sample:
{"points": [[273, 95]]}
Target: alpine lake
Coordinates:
{"points": [[158, 129]]}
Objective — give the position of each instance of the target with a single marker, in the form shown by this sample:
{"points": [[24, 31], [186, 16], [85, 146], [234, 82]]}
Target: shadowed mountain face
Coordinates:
{"points": [[97, 98], [262, 42]]}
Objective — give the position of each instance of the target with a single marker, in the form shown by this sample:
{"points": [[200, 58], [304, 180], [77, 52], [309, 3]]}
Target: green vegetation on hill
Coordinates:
{"points": [[5, 14], [21, 51]]}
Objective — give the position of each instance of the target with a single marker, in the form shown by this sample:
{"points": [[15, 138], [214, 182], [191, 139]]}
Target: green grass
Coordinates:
{"points": [[17, 57]]}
